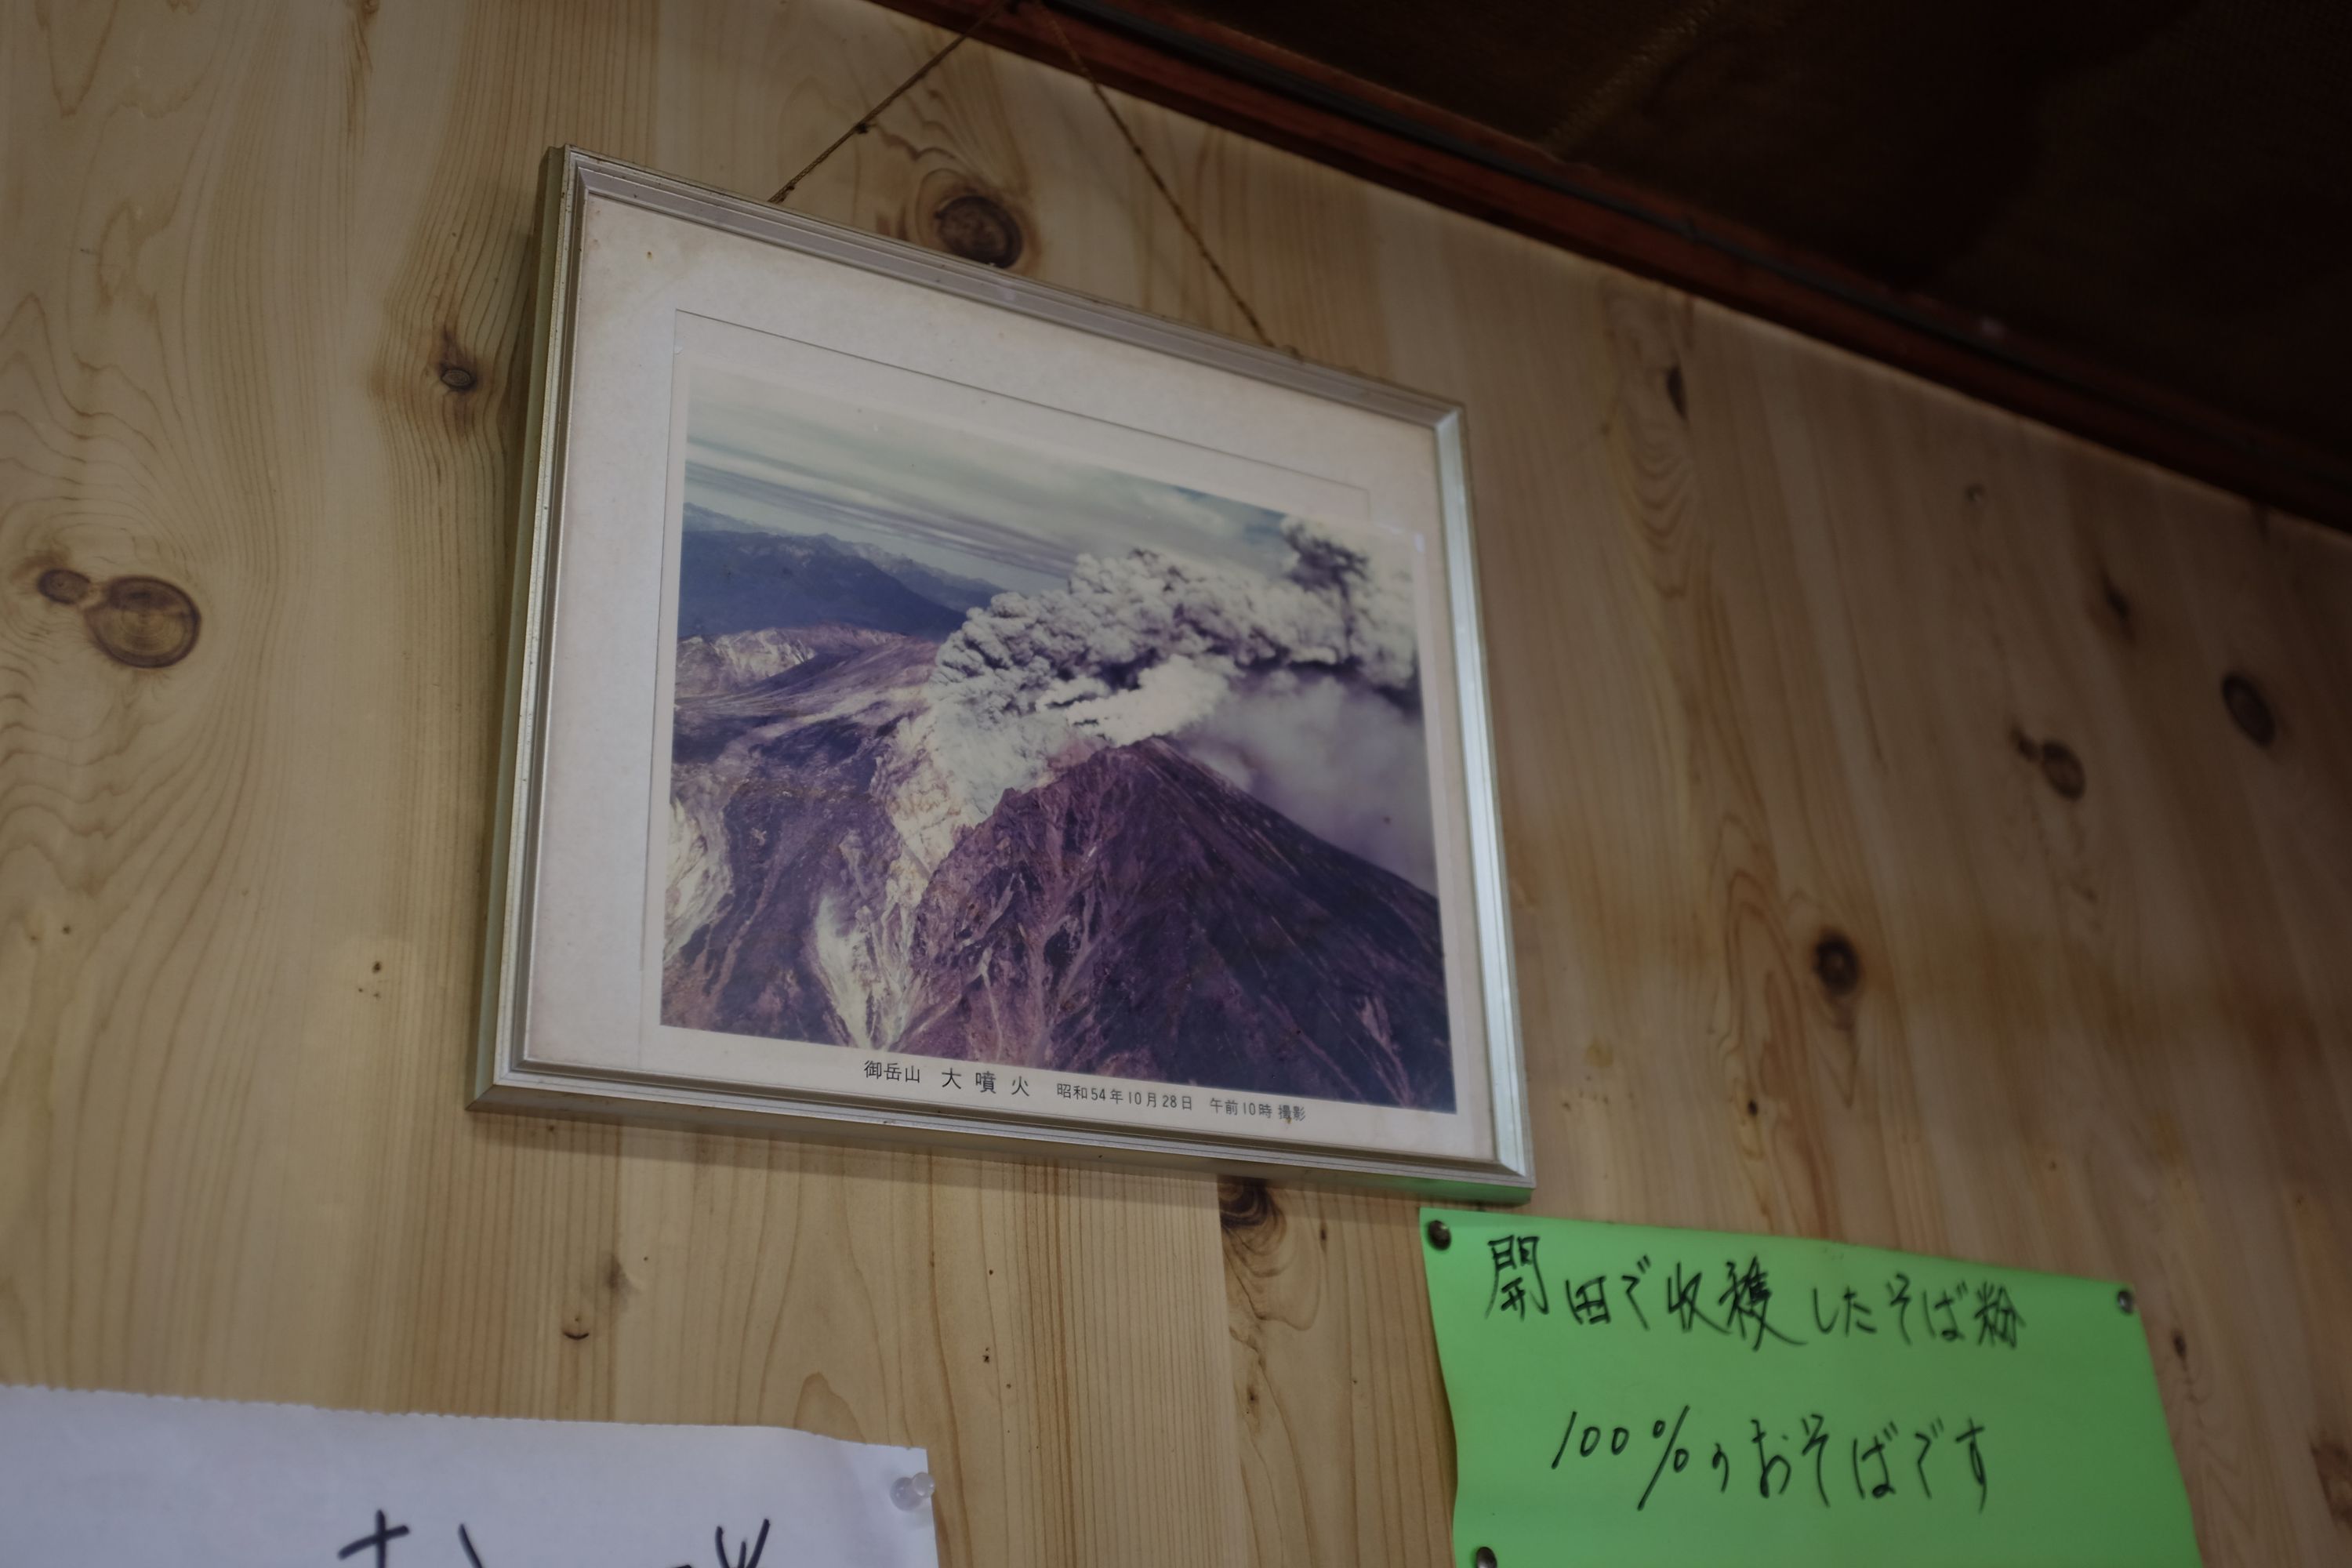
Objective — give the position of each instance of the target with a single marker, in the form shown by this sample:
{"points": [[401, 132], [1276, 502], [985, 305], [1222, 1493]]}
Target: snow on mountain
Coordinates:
{"points": [[708, 665], [943, 588], [795, 948], [699, 872]]}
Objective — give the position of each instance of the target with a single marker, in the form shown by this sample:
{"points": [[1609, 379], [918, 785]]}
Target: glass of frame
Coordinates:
{"points": [[946, 706]]}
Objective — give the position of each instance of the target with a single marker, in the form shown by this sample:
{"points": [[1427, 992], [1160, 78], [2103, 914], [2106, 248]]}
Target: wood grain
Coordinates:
{"points": [[1887, 863]]}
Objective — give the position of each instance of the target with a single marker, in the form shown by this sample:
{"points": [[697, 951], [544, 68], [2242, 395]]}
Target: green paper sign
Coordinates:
{"points": [[1646, 1398]]}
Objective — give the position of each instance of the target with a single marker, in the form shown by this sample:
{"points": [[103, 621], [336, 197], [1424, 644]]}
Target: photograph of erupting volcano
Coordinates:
{"points": [[981, 754]]}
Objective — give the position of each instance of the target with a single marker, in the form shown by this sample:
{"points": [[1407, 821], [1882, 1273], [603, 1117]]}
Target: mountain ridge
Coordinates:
{"points": [[734, 578], [1141, 917]]}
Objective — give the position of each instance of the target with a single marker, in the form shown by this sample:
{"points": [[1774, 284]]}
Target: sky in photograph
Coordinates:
{"points": [[771, 456]]}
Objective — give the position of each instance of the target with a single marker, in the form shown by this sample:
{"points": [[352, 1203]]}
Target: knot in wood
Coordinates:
{"points": [[2063, 769], [1245, 1205], [2119, 602], [2335, 1468], [2250, 710], [978, 228], [455, 367], [143, 622], [63, 586], [1837, 967]]}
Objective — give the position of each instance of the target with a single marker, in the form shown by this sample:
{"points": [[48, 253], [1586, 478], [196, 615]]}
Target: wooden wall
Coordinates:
{"points": [[1886, 863]]}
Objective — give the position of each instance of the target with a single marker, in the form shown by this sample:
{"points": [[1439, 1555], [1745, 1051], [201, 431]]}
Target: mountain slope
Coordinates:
{"points": [[712, 667], [1136, 917], [778, 837], [1140, 917]]}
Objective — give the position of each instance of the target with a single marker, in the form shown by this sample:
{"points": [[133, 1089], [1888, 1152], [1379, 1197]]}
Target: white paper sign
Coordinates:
{"points": [[122, 1478]]}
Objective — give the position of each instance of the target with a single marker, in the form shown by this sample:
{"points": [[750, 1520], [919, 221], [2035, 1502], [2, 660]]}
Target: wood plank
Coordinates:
{"points": [[1790, 648], [1172, 57]]}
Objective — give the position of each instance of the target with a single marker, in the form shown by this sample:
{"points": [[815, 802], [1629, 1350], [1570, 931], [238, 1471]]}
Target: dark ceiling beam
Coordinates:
{"points": [[1223, 77]]}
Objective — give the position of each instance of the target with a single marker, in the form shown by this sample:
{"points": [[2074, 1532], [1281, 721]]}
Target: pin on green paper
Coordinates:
{"points": [[1648, 1398]]}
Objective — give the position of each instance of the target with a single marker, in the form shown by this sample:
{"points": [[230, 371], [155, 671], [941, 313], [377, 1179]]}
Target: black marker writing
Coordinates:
{"points": [[745, 1557], [1640, 1268], [381, 1540], [1516, 1267], [1976, 1460], [1591, 1447], [1681, 1456], [1816, 1444]]}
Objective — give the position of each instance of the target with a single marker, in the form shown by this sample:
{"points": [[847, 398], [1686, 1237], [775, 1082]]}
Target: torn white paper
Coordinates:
{"points": [[119, 1477]]}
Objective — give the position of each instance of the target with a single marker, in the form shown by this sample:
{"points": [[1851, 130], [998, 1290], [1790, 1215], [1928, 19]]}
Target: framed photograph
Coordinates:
{"points": [[946, 706]]}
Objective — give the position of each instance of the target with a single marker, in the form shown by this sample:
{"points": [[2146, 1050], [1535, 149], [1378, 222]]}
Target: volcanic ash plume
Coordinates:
{"points": [[1282, 684]]}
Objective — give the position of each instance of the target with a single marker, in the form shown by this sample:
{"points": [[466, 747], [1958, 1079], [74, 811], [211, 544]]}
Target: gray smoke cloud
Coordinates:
{"points": [[1302, 690], [1347, 764]]}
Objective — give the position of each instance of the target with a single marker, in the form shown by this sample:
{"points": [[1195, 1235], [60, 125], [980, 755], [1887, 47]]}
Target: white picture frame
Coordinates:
{"points": [[1122, 728]]}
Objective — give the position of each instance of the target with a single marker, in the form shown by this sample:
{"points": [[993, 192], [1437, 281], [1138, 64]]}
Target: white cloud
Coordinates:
{"points": [[1345, 763], [775, 457]]}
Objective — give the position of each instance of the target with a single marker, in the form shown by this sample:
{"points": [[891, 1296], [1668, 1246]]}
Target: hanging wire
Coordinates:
{"points": [[864, 122], [1168, 196]]}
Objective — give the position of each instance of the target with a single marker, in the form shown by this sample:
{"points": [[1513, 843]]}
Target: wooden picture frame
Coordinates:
{"points": [[944, 706]]}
